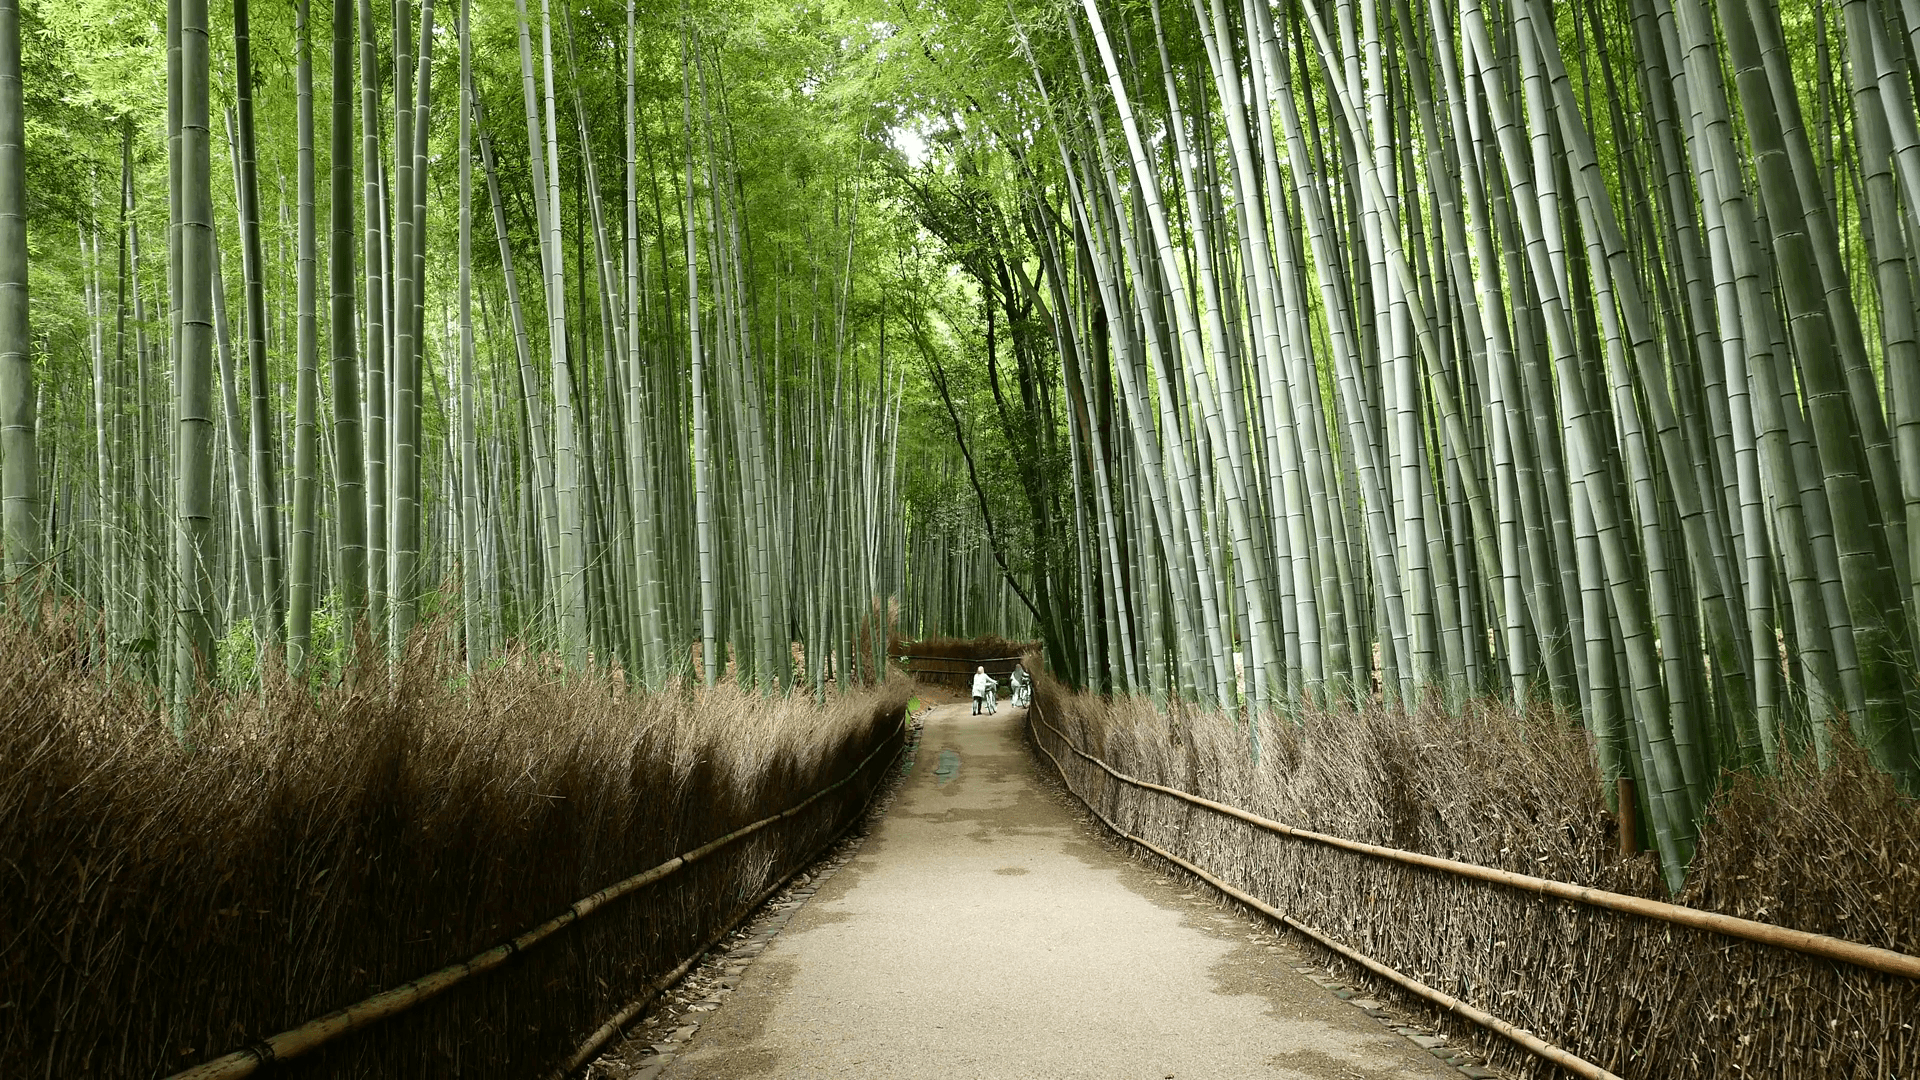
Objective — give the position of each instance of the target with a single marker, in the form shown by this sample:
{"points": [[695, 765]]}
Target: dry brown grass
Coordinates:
{"points": [[1835, 852], [161, 905]]}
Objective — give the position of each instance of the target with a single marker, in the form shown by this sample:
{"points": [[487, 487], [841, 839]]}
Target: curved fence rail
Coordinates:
{"points": [[605, 1033], [1819, 945], [320, 1031], [1578, 1066]]}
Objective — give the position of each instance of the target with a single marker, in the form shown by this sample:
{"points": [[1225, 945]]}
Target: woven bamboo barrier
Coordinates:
{"points": [[1631, 985], [1524, 1039], [597, 1039], [167, 904], [1832, 948], [318, 1032]]}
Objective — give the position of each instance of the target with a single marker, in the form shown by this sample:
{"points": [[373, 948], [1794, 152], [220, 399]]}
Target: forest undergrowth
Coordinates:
{"points": [[163, 903], [1825, 851]]}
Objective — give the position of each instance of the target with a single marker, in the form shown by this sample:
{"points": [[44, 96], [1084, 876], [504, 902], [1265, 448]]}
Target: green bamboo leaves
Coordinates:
{"points": [[617, 469]]}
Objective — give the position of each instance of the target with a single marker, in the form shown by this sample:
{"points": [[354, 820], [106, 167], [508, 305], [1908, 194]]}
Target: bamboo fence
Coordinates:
{"points": [[316, 1033], [1597, 982], [177, 904]]}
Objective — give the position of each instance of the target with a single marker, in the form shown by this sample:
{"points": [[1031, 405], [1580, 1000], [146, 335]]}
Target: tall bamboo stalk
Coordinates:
{"points": [[19, 463]]}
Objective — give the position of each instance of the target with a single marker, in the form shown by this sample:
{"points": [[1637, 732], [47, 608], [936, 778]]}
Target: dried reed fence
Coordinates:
{"points": [[160, 906], [1831, 853], [962, 654]]}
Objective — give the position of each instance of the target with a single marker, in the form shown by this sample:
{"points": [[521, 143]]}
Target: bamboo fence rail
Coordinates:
{"points": [[1821, 945], [590, 1047], [324, 1029], [1528, 1041], [1818, 945]]}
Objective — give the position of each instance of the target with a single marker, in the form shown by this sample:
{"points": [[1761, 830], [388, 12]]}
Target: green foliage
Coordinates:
{"points": [[237, 657]]}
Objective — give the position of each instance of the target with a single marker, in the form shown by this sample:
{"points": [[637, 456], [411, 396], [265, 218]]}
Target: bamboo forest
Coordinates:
{"points": [[1438, 481]]}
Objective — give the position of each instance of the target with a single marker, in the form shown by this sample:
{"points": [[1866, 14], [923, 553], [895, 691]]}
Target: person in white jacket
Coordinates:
{"points": [[983, 684]]}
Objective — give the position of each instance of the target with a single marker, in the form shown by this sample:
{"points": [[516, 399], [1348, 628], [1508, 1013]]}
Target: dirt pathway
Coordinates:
{"points": [[982, 931]]}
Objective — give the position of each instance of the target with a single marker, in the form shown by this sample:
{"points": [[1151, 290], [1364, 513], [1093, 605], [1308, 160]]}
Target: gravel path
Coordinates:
{"points": [[982, 931]]}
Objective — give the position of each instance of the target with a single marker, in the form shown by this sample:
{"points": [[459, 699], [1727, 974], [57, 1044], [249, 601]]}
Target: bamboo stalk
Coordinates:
{"points": [[20, 482]]}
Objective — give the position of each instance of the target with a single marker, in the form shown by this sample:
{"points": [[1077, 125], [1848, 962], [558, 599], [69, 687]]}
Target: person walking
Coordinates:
{"points": [[1022, 686], [982, 684]]}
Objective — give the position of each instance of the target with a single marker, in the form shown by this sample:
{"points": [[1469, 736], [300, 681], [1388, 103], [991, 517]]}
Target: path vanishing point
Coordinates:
{"points": [[983, 930]]}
